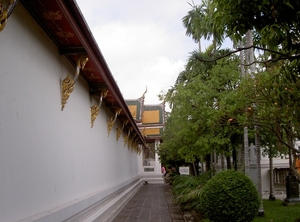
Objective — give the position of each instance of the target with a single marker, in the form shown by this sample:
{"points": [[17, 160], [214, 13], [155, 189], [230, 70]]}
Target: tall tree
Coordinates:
{"points": [[199, 24], [201, 108], [276, 95], [276, 23]]}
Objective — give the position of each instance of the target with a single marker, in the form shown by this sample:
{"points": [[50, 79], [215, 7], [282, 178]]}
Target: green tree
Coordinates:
{"points": [[201, 107], [276, 23], [199, 23], [273, 104]]}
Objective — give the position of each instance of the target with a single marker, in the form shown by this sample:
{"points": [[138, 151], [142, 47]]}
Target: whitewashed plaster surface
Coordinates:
{"points": [[49, 157]]}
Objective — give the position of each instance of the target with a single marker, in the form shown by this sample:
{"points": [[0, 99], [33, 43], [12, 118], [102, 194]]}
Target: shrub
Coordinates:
{"points": [[230, 196], [187, 188]]}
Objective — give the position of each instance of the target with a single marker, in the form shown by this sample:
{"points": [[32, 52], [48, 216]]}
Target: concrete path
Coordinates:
{"points": [[152, 203]]}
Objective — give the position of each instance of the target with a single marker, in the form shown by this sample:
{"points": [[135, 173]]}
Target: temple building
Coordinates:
{"points": [[150, 120]]}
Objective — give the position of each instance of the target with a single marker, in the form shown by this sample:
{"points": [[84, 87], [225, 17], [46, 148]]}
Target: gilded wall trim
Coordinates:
{"points": [[130, 142], [95, 109], [5, 12], [67, 84], [120, 129], [126, 138], [112, 120], [136, 147]]}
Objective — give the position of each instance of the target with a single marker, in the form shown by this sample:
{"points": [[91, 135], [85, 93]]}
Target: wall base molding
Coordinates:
{"points": [[102, 206]]}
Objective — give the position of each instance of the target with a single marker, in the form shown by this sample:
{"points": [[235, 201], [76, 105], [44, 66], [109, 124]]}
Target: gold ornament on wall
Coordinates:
{"points": [[112, 120], [95, 109], [129, 144], [6, 12], [126, 138], [67, 85], [136, 146], [120, 129]]}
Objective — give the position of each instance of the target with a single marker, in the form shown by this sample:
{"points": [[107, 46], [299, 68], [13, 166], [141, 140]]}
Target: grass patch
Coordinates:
{"points": [[276, 212]]}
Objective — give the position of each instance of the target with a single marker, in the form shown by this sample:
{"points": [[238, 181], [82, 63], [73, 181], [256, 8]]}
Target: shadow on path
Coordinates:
{"points": [[152, 203]]}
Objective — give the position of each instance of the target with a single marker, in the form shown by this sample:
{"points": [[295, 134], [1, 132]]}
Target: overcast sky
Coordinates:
{"points": [[142, 41]]}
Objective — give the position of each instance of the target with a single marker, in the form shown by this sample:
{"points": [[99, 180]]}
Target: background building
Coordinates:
{"points": [[150, 120]]}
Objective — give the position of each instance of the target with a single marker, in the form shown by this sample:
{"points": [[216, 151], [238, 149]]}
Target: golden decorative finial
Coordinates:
{"points": [[67, 85], [5, 12], [95, 109], [126, 138], [120, 129], [112, 120], [136, 146], [130, 142], [133, 144], [143, 96]]}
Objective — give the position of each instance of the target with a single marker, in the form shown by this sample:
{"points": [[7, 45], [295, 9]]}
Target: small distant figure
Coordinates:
{"points": [[163, 170]]}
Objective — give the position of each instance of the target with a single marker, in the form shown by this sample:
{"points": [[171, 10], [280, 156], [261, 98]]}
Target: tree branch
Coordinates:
{"points": [[282, 56]]}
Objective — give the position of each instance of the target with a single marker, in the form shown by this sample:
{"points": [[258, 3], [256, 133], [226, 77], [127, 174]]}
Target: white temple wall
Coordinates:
{"points": [[52, 163]]}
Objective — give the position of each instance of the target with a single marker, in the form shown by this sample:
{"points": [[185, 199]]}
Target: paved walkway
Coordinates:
{"points": [[152, 203]]}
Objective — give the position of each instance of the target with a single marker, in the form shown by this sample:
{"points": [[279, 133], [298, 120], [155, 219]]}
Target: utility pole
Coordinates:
{"points": [[250, 53], [245, 154]]}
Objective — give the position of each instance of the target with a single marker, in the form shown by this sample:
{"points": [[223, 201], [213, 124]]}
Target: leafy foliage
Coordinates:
{"points": [[201, 107], [273, 102], [229, 196], [199, 23], [276, 21], [186, 189], [275, 24]]}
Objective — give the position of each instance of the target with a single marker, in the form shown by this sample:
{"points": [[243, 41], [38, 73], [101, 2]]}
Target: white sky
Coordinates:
{"points": [[142, 41]]}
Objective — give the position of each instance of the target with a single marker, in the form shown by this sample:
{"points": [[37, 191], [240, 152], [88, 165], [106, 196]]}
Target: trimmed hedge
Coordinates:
{"points": [[229, 196]]}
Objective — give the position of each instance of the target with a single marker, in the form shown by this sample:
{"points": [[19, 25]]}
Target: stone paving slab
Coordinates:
{"points": [[152, 203]]}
